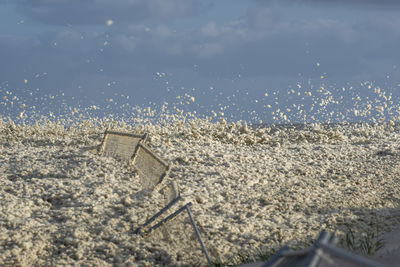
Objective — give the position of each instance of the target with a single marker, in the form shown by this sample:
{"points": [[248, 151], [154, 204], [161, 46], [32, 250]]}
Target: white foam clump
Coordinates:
{"points": [[109, 22], [250, 187]]}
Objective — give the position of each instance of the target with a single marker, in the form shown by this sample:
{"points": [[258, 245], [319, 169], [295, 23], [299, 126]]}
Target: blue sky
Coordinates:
{"points": [[238, 58]]}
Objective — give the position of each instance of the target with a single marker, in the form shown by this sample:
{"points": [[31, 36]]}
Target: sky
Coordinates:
{"points": [[257, 60]]}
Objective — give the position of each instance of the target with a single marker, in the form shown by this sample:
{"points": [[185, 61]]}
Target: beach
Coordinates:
{"points": [[250, 188]]}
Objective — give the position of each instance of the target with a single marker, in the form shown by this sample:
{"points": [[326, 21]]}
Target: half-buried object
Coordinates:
{"points": [[180, 232], [171, 196], [151, 168], [323, 253], [120, 145]]}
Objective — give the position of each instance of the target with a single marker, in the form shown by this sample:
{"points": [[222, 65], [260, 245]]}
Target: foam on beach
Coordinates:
{"points": [[252, 186]]}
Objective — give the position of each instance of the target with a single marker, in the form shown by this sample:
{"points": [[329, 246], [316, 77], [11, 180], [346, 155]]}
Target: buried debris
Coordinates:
{"points": [[170, 224], [179, 230], [120, 145], [323, 253], [171, 196], [151, 169]]}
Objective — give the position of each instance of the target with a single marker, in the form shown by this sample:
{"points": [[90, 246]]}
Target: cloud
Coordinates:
{"points": [[344, 3], [92, 12], [263, 44]]}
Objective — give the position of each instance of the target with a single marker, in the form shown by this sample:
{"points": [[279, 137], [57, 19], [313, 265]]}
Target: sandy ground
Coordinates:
{"points": [[250, 188]]}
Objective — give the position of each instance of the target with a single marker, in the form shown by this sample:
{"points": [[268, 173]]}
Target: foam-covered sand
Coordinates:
{"points": [[250, 188]]}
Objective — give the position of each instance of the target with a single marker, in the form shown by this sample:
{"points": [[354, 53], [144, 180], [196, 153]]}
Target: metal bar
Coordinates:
{"points": [[313, 257], [296, 253], [142, 136], [197, 233], [151, 152], [183, 208], [347, 255], [164, 209], [166, 219], [165, 174], [274, 258]]}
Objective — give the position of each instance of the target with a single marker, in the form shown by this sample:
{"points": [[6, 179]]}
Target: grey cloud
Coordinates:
{"points": [[343, 3], [92, 12], [261, 43]]}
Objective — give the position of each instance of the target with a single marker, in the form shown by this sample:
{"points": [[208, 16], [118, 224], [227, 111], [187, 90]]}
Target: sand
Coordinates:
{"points": [[250, 188]]}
